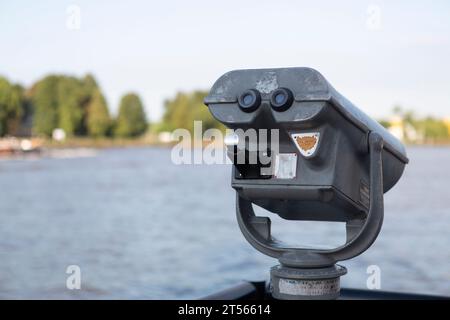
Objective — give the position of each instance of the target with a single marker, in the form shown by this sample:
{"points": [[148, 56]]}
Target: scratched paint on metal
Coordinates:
{"points": [[267, 83]]}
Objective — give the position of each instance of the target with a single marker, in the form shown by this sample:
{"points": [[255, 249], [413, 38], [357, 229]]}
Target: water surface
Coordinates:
{"points": [[140, 227]]}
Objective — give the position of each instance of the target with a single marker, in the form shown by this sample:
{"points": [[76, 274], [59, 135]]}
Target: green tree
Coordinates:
{"points": [[433, 130], [384, 123], [89, 87], [98, 119], [20, 109], [89, 83], [71, 99], [185, 108], [11, 107], [45, 103], [131, 120], [177, 112], [62, 102]]}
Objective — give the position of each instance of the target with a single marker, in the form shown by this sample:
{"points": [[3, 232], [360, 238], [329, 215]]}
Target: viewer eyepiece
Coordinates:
{"points": [[249, 100], [281, 99]]}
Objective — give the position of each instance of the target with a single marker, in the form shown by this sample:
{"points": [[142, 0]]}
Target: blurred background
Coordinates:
{"points": [[91, 91]]}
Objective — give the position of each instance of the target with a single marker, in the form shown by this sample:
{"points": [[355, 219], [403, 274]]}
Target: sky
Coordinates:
{"points": [[376, 53]]}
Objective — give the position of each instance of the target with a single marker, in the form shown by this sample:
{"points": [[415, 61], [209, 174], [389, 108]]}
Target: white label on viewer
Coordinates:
{"points": [[285, 166]]}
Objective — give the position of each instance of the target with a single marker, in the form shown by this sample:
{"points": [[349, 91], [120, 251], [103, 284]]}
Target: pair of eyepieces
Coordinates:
{"points": [[280, 100]]}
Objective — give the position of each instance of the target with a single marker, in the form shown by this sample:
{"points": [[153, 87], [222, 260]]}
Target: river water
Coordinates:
{"points": [[141, 227]]}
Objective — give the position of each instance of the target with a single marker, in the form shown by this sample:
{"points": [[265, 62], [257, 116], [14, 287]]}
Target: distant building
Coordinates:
{"points": [[396, 127], [165, 137], [402, 130], [447, 123], [59, 134]]}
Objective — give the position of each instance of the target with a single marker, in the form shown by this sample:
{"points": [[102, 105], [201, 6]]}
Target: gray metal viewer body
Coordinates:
{"points": [[332, 163]]}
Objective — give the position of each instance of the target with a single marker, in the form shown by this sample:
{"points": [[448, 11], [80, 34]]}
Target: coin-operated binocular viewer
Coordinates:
{"points": [[331, 163]]}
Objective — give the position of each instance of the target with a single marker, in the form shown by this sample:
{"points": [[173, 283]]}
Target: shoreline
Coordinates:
{"points": [[110, 143], [43, 144]]}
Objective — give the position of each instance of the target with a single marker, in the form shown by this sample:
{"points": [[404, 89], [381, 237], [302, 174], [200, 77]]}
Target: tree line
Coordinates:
{"points": [[186, 107], [428, 130], [76, 105]]}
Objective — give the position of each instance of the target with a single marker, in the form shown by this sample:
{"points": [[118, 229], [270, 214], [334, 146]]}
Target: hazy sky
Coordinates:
{"points": [[376, 53]]}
